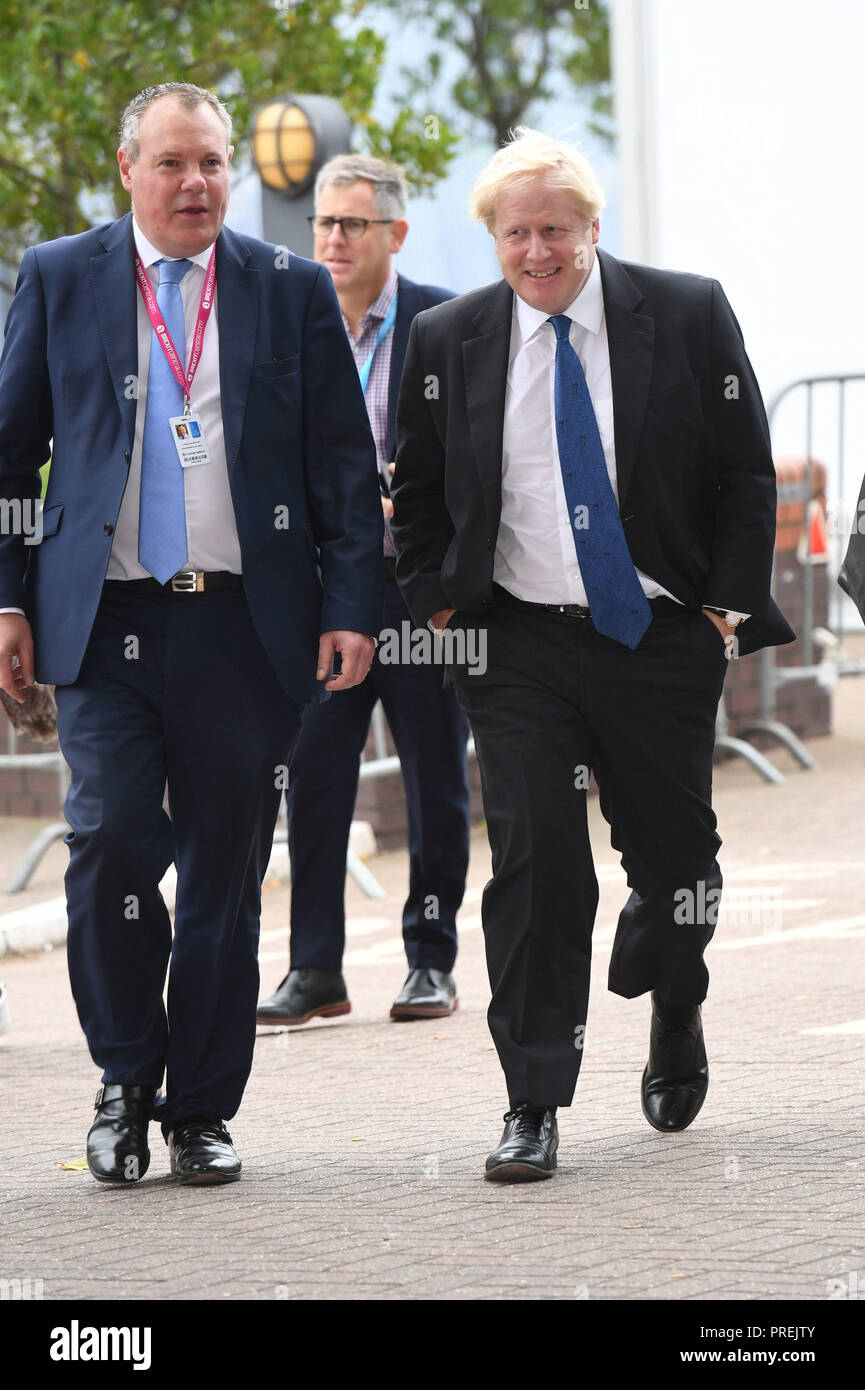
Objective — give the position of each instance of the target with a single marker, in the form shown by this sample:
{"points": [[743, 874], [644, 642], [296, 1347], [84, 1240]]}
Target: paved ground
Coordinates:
{"points": [[363, 1141]]}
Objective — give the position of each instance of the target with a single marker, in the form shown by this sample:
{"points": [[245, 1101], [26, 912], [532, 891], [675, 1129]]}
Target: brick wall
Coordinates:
{"points": [[28, 793]]}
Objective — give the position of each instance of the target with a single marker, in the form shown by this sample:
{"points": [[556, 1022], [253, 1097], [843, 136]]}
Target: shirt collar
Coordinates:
{"points": [[380, 305], [587, 309], [148, 254]]}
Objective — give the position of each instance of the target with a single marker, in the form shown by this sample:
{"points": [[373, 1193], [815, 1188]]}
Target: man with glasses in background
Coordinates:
{"points": [[359, 226]]}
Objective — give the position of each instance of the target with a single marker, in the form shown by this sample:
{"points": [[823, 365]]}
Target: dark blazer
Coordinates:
{"points": [[411, 299], [852, 576], [285, 365], [695, 475]]}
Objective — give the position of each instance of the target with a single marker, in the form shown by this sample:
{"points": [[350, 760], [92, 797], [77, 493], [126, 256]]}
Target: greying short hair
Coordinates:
{"points": [[388, 180], [189, 97]]}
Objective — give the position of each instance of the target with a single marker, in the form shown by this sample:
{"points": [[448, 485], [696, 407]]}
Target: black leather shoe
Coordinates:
{"points": [[117, 1143], [527, 1151], [201, 1152], [676, 1078], [306, 994], [426, 994]]}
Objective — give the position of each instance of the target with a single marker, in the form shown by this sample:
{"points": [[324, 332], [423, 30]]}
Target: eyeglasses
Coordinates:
{"points": [[352, 227]]}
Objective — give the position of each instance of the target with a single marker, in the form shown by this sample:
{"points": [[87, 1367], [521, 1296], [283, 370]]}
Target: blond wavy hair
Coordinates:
{"points": [[527, 155]]}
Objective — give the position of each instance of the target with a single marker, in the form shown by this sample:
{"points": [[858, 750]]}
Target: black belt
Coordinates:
{"points": [[184, 582], [573, 610], [566, 610]]}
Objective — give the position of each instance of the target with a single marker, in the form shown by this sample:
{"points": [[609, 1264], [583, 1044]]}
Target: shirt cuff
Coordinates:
{"points": [[724, 611], [13, 610]]}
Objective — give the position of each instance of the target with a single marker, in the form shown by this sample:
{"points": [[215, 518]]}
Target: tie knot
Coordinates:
{"points": [[562, 325], [172, 272]]}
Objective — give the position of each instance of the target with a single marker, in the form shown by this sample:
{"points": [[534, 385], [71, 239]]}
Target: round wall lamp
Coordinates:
{"points": [[293, 137]]}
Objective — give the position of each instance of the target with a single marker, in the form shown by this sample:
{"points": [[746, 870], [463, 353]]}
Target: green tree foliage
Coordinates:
{"points": [[511, 57], [67, 71]]}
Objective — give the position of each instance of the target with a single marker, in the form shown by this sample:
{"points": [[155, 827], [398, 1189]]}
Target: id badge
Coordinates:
{"points": [[189, 440]]}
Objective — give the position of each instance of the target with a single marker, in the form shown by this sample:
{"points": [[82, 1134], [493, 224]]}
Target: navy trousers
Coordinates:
{"points": [[430, 732], [174, 688]]}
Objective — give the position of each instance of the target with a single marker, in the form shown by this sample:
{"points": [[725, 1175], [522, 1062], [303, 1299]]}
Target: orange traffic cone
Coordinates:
{"points": [[813, 545]]}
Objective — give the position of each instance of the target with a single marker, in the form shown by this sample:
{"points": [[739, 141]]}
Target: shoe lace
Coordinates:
{"points": [[204, 1130], [527, 1121]]}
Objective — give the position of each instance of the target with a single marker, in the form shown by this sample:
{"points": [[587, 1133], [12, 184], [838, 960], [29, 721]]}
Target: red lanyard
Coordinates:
{"points": [[162, 333]]}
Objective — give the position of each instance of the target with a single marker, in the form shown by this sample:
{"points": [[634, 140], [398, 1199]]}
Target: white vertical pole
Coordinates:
{"points": [[634, 73]]}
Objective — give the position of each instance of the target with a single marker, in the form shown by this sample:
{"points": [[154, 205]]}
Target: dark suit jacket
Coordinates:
{"points": [[852, 576], [296, 436], [695, 474], [411, 299]]}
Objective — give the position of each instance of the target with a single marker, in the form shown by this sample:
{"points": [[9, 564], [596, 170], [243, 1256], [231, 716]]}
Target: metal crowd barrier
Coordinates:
{"points": [[833, 662], [772, 676]]}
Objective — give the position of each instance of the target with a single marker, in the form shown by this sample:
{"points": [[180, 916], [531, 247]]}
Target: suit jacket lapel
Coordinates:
{"points": [[115, 290], [407, 306], [631, 338], [485, 366], [237, 293]]}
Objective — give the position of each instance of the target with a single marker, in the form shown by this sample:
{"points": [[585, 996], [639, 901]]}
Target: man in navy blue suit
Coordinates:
{"points": [[193, 590], [359, 226]]}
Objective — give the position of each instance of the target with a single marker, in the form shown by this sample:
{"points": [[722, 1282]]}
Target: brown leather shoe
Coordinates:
{"points": [[305, 994], [426, 994]]}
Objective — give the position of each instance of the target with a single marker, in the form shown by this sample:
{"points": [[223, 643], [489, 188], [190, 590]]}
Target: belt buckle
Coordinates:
{"points": [[188, 582]]}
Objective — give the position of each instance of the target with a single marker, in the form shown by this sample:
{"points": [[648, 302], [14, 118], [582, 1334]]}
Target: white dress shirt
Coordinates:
{"points": [[536, 558], [211, 530]]}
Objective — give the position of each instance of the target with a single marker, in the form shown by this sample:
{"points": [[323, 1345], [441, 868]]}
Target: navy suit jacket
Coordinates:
{"points": [[297, 437], [411, 299]]}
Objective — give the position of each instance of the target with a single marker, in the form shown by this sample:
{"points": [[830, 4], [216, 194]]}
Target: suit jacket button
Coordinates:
{"points": [[108, 528]]}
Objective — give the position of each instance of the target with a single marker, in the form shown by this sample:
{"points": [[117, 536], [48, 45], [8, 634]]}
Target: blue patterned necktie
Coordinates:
{"points": [[162, 511], [620, 609]]}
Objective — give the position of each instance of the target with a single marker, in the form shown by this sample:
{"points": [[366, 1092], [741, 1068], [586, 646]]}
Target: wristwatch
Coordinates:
{"points": [[730, 616]]}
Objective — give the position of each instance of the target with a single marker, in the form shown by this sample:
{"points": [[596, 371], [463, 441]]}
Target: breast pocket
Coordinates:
{"points": [[671, 394], [274, 398], [277, 367]]}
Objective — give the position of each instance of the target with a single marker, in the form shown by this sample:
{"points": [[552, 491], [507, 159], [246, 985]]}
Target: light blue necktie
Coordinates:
{"points": [[620, 609], [162, 512]]}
